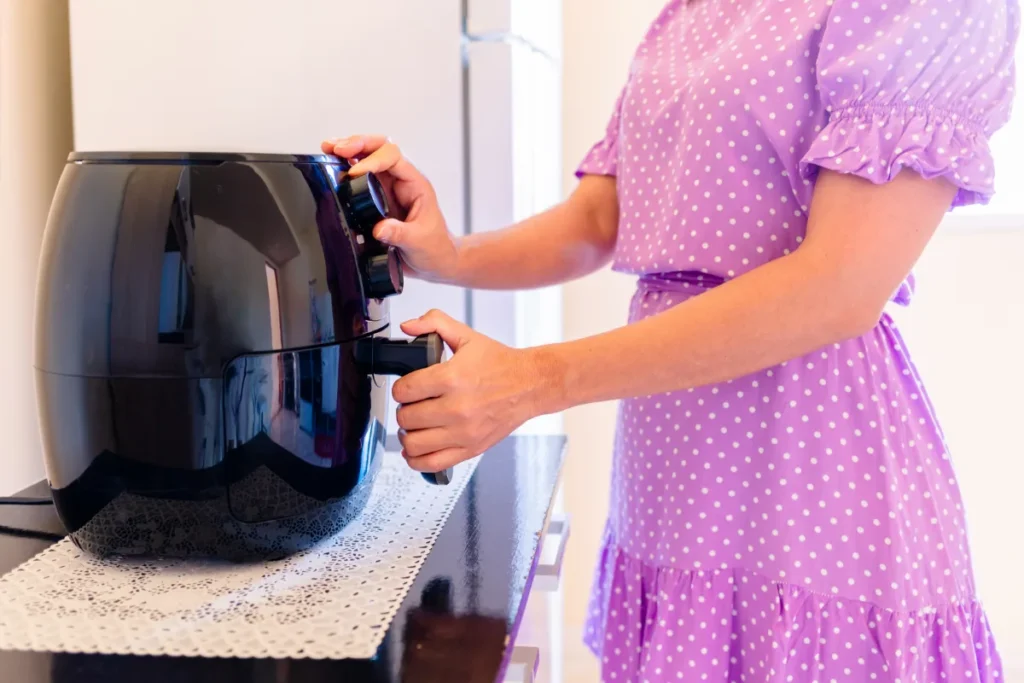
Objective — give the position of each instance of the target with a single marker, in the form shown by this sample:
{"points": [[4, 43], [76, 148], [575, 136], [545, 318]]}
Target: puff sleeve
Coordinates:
{"points": [[603, 157], [915, 84]]}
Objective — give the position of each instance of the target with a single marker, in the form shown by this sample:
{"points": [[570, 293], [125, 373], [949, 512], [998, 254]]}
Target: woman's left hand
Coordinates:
{"points": [[456, 410]]}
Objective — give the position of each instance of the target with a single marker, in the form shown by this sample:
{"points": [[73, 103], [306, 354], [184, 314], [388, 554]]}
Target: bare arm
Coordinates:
{"points": [[862, 240], [568, 241]]}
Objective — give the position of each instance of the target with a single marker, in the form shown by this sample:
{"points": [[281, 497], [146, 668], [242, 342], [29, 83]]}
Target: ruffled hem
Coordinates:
{"points": [[876, 143], [602, 159], [656, 624]]}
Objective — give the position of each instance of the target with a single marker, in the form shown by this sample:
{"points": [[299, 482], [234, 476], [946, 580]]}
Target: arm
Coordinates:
{"points": [[861, 242], [566, 242], [570, 240]]}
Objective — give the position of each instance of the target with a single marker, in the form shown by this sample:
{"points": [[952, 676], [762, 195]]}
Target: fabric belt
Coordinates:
{"points": [[695, 282], [690, 282]]}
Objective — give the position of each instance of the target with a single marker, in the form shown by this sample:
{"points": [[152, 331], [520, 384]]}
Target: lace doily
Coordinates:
{"points": [[334, 601]]}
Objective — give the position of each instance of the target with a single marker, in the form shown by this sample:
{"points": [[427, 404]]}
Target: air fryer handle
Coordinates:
{"points": [[403, 356], [382, 356]]}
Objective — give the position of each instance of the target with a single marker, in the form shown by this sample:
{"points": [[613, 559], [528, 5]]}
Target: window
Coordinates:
{"points": [[174, 321], [274, 296]]}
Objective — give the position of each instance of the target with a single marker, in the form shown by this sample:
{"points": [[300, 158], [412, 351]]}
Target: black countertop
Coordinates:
{"points": [[455, 625]]}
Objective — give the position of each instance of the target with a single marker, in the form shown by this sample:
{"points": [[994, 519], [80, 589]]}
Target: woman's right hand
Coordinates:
{"points": [[428, 250]]}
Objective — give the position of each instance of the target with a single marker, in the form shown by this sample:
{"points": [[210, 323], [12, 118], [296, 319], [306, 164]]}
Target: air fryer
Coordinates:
{"points": [[212, 345]]}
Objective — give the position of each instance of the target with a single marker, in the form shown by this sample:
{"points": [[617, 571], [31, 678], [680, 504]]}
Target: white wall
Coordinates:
{"points": [[600, 37], [965, 329], [267, 79], [35, 138]]}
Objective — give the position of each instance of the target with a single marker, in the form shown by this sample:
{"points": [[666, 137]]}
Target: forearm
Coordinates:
{"points": [[861, 242], [777, 312], [571, 240]]}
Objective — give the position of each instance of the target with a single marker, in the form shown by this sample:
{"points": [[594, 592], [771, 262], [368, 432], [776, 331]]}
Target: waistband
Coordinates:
{"points": [[691, 282], [694, 282]]}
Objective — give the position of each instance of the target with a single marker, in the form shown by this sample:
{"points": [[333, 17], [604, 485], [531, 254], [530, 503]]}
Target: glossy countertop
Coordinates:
{"points": [[456, 623]]}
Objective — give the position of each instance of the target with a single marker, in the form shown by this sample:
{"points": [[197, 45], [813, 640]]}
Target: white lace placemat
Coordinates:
{"points": [[334, 601]]}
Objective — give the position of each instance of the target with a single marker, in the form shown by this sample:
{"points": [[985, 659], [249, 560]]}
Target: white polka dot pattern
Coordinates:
{"points": [[802, 523]]}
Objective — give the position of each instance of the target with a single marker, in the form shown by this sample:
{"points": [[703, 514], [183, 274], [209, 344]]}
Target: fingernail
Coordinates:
{"points": [[383, 232]]}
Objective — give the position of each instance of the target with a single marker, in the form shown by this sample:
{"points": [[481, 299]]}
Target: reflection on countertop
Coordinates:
{"points": [[456, 623]]}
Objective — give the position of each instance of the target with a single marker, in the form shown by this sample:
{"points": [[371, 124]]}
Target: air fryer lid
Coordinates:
{"points": [[142, 157], [174, 268]]}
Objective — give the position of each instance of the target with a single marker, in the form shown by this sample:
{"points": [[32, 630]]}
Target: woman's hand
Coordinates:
{"points": [[422, 237], [456, 410]]}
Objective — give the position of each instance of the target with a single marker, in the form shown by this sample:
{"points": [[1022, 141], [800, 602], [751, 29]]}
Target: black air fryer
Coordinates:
{"points": [[211, 340]]}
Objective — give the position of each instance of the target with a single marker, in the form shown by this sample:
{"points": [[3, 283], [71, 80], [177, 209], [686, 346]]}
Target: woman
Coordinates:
{"points": [[783, 507]]}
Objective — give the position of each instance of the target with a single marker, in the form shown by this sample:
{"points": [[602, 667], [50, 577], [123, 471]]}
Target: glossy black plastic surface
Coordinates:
{"points": [[197, 319], [143, 157], [366, 199], [384, 276], [457, 624]]}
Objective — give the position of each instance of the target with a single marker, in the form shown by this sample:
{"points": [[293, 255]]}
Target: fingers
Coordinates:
{"points": [[439, 427], [390, 231], [424, 384], [429, 449], [354, 145], [384, 158], [424, 415], [437, 380], [376, 154], [426, 441], [441, 460], [454, 333]]}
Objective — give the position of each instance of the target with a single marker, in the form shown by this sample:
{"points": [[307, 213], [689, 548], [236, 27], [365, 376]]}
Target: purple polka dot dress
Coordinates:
{"points": [[803, 523]]}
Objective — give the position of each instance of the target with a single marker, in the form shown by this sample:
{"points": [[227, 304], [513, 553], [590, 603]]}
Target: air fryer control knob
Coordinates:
{"points": [[366, 199], [384, 276]]}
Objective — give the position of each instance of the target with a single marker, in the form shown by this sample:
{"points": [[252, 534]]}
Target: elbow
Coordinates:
{"points": [[598, 203], [850, 301], [854, 315], [603, 251], [863, 319], [849, 309], [601, 236]]}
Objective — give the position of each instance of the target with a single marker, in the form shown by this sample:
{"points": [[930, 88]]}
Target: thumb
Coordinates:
{"points": [[454, 333], [395, 232]]}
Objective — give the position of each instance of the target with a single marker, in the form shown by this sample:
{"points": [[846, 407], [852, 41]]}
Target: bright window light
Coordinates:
{"points": [[1008, 152]]}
